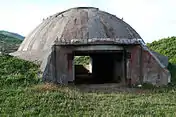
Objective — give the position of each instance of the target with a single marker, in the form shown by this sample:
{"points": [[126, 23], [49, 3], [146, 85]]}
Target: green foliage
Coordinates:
{"points": [[63, 101], [165, 46], [172, 69], [15, 72], [82, 60]]}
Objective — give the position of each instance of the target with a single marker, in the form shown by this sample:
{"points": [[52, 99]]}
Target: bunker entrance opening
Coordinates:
{"points": [[98, 67]]}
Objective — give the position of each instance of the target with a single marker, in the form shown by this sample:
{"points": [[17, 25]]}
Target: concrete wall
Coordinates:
{"points": [[118, 70], [133, 70], [59, 66], [144, 65], [152, 71]]}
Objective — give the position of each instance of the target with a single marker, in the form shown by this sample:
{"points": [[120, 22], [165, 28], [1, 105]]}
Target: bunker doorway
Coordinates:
{"points": [[103, 67]]}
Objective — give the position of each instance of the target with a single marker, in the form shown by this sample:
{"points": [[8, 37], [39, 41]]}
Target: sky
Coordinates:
{"points": [[152, 19]]}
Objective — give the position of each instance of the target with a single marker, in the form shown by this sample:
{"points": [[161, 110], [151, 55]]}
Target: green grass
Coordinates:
{"points": [[38, 100], [17, 73], [23, 94], [82, 60]]}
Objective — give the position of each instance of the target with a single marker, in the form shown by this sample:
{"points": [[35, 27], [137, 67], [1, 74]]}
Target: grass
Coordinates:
{"points": [[42, 100], [28, 96]]}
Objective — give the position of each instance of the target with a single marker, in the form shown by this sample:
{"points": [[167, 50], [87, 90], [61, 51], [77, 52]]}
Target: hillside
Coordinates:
{"points": [[9, 42], [11, 34]]}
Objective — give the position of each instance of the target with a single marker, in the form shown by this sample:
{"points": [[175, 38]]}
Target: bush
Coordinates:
{"points": [[82, 60], [172, 69], [165, 46], [15, 72]]}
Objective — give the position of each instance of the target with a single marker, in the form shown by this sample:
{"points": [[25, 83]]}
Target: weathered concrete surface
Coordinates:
{"points": [[163, 59], [134, 65], [77, 23], [152, 70]]}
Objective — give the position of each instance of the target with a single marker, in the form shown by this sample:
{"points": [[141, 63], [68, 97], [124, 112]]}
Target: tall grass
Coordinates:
{"points": [[17, 73]]}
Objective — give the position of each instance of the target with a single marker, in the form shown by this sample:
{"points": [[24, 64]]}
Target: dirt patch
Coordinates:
{"points": [[109, 88], [46, 87], [90, 88]]}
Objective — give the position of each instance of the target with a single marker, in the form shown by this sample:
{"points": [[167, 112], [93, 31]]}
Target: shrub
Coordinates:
{"points": [[15, 72]]}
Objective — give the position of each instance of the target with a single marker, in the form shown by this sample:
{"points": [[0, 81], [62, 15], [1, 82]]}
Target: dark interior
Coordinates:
{"points": [[102, 68]]}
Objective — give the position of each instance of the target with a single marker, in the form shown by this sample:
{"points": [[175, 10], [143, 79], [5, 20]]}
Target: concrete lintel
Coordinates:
{"points": [[98, 47]]}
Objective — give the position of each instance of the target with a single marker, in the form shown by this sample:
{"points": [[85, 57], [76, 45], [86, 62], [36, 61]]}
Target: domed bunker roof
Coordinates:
{"points": [[77, 23]]}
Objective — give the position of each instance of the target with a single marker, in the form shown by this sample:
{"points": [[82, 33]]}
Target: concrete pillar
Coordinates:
{"points": [[128, 73], [128, 69], [124, 67], [71, 67], [141, 65]]}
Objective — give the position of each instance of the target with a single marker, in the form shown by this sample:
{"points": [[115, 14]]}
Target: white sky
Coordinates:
{"points": [[152, 19]]}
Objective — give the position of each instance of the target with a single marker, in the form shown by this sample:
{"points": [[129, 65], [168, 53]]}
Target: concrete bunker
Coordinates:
{"points": [[118, 52]]}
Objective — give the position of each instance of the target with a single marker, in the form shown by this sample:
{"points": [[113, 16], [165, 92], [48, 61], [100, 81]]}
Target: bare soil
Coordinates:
{"points": [[109, 88]]}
